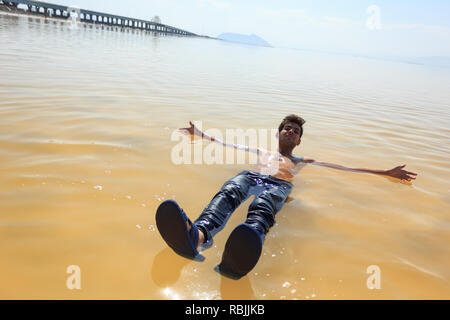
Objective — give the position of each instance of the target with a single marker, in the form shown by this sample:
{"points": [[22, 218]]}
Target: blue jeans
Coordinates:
{"points": [[270, 195]]}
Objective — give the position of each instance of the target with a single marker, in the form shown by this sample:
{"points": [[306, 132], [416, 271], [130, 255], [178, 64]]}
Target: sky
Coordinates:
{"points": [[383, 28]]}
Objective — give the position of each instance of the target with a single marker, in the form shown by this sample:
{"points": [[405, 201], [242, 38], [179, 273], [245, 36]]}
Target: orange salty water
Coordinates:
{"points": [[86, 120]]}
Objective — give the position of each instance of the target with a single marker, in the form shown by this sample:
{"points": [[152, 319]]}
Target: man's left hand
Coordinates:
{"points": [[401, 174]]}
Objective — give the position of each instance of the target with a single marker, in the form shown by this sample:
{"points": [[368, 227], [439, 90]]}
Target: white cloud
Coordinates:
{"points": [[221, 5], [296, 19], [336, 20], [286, 15]]}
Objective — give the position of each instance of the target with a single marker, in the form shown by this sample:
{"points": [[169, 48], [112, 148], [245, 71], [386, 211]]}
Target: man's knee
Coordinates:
{"points": [[264, 202], [263, 209], [234, 189]]}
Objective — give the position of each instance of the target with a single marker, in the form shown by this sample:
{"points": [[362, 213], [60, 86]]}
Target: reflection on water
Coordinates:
{"points": [[166, 271], [236, 289], [86, 118], [166, 268]]}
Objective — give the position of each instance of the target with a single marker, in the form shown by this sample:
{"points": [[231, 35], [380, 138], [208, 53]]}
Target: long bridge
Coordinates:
{"points": [[64, 12]]}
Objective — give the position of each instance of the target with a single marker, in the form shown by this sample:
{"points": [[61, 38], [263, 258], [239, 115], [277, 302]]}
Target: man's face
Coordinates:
{"points": [[290, 134]]}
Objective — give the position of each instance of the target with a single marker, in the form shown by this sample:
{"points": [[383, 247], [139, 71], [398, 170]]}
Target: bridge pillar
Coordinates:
{"points": [[48, 10]]}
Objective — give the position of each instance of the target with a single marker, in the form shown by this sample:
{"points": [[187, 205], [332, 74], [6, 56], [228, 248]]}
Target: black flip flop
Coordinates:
{"points": [[171, 222], [242, 252]]}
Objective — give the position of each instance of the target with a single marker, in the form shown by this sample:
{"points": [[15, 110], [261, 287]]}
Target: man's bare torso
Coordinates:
{"points": [[278, 166]]}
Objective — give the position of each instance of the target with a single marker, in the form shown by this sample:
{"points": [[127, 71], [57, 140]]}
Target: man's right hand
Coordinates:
{"points": [[192, 130]]}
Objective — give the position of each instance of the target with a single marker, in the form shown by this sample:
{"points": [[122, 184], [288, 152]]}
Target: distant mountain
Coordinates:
{"points": [[252, 39]]}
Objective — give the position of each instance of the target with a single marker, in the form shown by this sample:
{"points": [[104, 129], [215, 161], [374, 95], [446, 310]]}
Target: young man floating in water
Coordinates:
{"points": [[244, 246]]}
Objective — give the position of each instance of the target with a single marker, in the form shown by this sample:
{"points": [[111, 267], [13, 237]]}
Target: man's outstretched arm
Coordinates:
{"points": [[396, 172], [194, 131]]}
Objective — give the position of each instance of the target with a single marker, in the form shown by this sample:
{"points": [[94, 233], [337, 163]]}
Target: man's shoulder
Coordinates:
{"points": [[296, 159]]}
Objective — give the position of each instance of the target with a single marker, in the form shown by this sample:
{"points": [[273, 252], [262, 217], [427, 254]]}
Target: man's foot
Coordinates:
{"points": [[177, 230], [201, 235], [242, 252]]}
